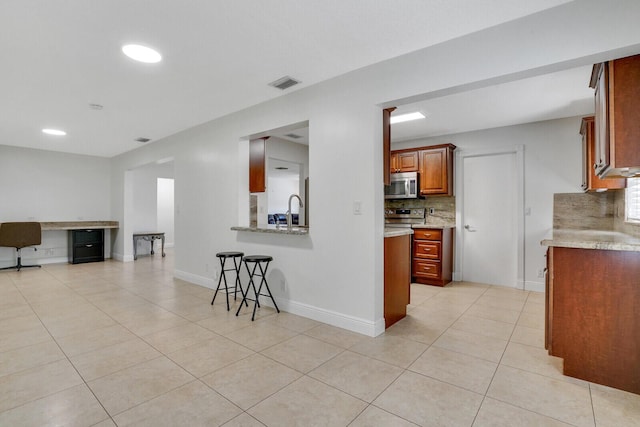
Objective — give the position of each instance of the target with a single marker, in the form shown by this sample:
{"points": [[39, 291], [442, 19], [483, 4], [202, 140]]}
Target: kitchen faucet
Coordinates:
{"points": [[289, 220]]}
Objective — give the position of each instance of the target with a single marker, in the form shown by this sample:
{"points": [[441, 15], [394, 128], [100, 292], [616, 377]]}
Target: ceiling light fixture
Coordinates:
{"points": [[141, 53], [407, 117], [56, 132]]}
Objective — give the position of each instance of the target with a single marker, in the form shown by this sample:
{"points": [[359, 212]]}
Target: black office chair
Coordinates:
{"points": [[20, 235]]}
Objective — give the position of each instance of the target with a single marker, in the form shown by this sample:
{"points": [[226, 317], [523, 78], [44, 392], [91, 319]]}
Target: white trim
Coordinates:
{"points": [[459, 191], [351, 323], [534, 286], [194, 278]]}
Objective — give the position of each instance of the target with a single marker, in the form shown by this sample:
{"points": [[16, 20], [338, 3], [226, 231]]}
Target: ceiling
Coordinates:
{"points": [[58, 57], [545, 97]]}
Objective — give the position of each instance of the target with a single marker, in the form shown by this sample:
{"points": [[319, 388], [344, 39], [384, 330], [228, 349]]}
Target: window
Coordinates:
{"points": [[633, 200]]}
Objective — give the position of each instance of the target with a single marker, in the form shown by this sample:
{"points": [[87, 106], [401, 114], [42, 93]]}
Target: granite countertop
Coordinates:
{"points": [[593, 239], [77, 225], [397, 231], [440, 225], [295, 230]]}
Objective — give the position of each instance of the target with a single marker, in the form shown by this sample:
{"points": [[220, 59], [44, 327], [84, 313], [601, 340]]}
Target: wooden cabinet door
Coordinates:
{"points": [[404, 161], [591, 181], [435, 170], [601, 159], [407, 161], [257, 171]]}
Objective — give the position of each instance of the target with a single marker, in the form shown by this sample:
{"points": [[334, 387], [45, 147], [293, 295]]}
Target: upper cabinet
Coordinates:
{"points": [[617, 117], [434, 163], [436, 170], [591, 181], [404, 161], [257, 154]]}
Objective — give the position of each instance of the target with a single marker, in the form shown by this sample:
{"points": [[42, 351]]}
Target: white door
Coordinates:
{"points": [[490, 226]]}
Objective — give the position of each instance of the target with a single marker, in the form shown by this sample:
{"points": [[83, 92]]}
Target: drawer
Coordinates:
{"points": [[426, 249], [87, 236], [427, 234], [87, 253], [427, 269]]}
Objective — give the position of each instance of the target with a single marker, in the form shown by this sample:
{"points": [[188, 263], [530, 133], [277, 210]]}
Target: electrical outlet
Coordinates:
{"points": [[283, 285], [432, 211], [206, 267], [541, 273]]}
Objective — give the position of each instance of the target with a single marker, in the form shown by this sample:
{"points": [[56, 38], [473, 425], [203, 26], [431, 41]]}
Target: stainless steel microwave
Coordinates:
{"points": [[404, 185]]}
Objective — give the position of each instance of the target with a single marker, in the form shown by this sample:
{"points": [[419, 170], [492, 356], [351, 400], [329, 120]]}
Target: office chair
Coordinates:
{"points": [[20, 235]]}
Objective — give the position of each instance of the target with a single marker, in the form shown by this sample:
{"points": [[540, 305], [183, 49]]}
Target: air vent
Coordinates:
{"points": [[293, 136], [284, 83], [142, 139]]}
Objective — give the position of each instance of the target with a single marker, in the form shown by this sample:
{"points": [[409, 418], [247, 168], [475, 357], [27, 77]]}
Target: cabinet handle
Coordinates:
{"points": [[595, 166], [89, 246]]}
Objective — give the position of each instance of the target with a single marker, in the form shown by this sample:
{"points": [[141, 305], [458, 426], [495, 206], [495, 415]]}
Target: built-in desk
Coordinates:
{"points": [[77, 225], [86, 238]]}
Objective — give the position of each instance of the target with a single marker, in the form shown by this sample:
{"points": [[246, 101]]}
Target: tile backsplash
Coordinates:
{"points": [[444, 208], [592, 211]]}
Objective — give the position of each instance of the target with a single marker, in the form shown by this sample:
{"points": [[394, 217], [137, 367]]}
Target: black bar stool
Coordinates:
{"points": [[223, 256], [258, 261]]}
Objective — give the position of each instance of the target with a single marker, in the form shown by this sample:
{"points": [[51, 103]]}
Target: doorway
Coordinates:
{"points": [[490, 188]]}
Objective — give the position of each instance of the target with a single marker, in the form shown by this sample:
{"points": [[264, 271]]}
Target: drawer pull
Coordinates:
{"points": [[89, 246]]}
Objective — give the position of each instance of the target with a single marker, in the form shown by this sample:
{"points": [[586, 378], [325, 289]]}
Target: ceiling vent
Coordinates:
{"points": [[142, 139], [293, 136], [284, 83]]}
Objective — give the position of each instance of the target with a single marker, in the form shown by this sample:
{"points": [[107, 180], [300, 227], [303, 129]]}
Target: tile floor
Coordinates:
{"points": [[125, 344]]}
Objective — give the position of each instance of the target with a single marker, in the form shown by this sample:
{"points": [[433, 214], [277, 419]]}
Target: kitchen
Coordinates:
{"points": [[601, 214]]}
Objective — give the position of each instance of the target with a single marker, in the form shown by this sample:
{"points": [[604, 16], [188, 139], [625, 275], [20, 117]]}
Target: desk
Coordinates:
{"points": [[149, 237]]}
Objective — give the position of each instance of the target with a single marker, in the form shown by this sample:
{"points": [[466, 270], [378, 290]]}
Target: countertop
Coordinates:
{"points": [[78, 225], [593, 239], [397, 231], [295, 230], [437, 225]]}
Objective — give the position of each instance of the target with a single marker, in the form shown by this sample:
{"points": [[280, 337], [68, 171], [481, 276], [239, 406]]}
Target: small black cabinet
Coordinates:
{"points": [[86, 246]]}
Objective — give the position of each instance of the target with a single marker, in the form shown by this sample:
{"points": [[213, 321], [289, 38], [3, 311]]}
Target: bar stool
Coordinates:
{"points": [[223, 256], [258, 261]]}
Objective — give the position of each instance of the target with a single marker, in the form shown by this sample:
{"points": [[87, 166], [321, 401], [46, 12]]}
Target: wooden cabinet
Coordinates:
{"points": [[617, 117], [592, 317], [397, 277], [432, 256], [436, 170], [591, 181], [86, 246], [257, 170], [404, 161]]}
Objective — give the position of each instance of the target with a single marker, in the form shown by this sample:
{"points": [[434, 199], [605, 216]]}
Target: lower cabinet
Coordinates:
{"points": [[592, 319], [86, 246], [432, 256], [397, 278]]}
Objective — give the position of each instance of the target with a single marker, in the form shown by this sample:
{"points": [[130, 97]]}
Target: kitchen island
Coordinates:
{"points": [[592, 305]]}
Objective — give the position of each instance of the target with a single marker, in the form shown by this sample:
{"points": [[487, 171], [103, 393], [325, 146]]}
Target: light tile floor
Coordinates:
{"points": [[126, 344]]}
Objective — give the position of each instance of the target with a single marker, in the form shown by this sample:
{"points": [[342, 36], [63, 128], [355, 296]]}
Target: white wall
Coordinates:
{"points": [[335, 274], [145, 203], [38, 185], [552, 164], [165, 210]]}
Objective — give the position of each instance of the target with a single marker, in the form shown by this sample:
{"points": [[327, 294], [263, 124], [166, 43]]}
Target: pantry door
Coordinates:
{"points": [[491, 229]]}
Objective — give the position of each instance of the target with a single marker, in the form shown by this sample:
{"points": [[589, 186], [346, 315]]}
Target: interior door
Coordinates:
{"points": [[490, 228]]}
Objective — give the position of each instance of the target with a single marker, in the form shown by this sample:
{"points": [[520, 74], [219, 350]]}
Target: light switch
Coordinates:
{"points": [[527, 212], [357, 207]]}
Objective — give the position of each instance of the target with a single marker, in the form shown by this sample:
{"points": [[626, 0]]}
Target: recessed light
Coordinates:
{"points": [[141, 53], [407, 117], [56, 132]]}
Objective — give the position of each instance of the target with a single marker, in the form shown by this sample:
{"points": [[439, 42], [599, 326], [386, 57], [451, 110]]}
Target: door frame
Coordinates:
{"points": [[518, 150]]}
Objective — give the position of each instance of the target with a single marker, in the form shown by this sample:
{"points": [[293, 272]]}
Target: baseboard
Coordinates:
{"points": [[457, 276], [122, 258], [194, 278], [534, 286], [333, 318], [329, 317]]}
